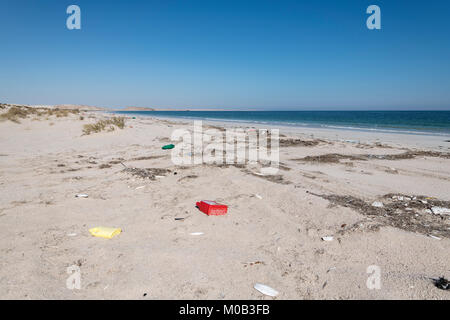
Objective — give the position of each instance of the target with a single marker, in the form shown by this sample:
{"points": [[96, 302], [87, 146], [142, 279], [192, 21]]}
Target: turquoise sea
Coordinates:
{"points": [[425, 122]]}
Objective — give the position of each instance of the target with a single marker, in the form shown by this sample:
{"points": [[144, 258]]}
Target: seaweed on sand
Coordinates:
{"points": [[336, 158], [146, 173], [411, 213]]}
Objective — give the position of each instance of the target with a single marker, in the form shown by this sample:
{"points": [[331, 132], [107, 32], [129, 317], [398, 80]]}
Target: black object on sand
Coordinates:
{"points": [[442, 283]]}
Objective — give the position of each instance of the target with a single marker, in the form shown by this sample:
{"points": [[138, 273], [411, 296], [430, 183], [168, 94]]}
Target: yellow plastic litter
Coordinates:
{"points": [[104, 232]]}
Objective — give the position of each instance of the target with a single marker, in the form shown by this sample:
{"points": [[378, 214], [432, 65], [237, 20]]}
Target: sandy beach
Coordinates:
{"points": [[273, 233]]}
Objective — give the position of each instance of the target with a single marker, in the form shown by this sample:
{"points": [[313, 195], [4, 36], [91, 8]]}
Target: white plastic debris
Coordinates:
{"points": [[440, 210], [81, 196], [434, 237], [258, 174], [258, 196], [377, 204], [141, 187], [196, 233], [424, 201], [268, 291], [327, 238], [71, 234]]}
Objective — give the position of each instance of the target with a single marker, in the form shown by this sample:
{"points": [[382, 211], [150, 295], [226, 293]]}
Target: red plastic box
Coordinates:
{"points": [[212, 208]]}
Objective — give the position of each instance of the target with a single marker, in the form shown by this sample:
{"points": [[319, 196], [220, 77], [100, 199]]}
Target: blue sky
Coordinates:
{"points": [[277, 55]]}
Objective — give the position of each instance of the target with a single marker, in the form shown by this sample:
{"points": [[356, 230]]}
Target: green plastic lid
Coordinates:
{"points": [[169, 146]]}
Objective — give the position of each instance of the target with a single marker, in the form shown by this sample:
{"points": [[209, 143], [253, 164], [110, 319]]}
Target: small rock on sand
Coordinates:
{"points": [[377, 204]]}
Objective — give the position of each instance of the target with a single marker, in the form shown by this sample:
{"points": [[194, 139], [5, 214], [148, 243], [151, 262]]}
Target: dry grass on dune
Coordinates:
{"points": [[101, 125], [15, 113]]}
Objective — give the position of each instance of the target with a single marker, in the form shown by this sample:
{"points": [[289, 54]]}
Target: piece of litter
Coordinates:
{"points": [[140, 187], [179, 219], [442, 283], [159, 177], [377, 204], [434, 237], [328, 238], [196, 233], [105, 232], [212, 208], [258, 196], [258, 174], [440, 210], [81, 196], [168, 147], [268, 291], [71, 234]]}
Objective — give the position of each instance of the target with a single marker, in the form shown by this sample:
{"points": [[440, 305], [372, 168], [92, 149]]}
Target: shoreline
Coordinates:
{"points": [[429, 141]]}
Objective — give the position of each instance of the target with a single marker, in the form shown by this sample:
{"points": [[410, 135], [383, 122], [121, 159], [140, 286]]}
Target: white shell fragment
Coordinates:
{"points": [[377, 204], [268, 291], [328, 238], [440, 210], [196, 233]]}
